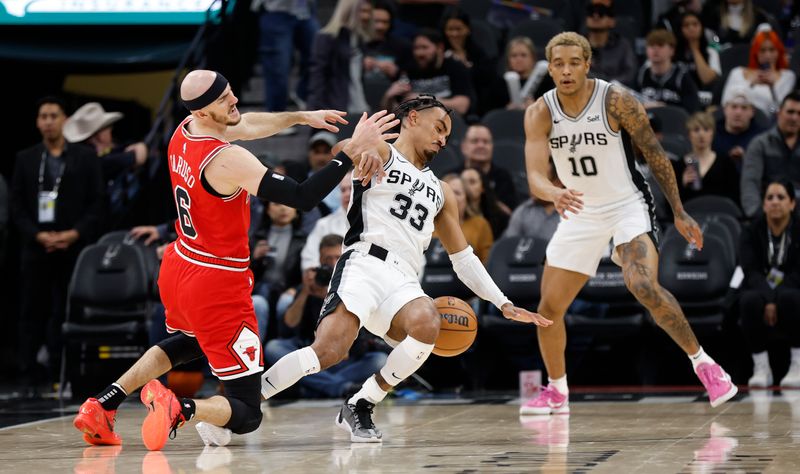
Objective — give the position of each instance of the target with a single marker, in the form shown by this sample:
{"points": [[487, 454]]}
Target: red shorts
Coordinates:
{"points": [[216, 307]]}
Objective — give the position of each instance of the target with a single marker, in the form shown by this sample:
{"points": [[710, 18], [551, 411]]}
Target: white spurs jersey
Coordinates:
{"points": [[398, 212], [592, 158]]}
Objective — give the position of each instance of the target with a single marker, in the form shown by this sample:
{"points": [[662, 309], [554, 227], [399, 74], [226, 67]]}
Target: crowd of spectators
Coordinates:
{"points": [[741, 115]]}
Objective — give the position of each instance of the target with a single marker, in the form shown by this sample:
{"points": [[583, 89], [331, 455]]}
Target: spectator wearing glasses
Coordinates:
{"points": [[771, 155], [612, 55], [770, 259]]}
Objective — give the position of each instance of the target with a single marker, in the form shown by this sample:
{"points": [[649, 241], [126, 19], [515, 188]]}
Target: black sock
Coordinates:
{"points": [[187, 408], [112, 397]]}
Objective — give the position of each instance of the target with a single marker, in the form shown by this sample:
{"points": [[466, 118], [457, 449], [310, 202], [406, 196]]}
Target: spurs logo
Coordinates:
{"points": [[417, 186]]}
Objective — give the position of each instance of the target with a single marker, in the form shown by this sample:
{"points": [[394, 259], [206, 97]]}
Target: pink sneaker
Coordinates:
{"points": [[549, 402], [717, 382]]}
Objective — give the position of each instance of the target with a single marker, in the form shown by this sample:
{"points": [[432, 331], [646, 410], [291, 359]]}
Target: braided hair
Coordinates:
{"points": [[421, 102]]}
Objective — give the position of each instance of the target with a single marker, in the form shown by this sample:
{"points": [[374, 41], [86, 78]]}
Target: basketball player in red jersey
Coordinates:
{"points": [[205, 283]]}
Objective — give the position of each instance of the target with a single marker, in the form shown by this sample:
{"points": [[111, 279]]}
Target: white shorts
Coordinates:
{"points": [[371, 288], [581, 241]]}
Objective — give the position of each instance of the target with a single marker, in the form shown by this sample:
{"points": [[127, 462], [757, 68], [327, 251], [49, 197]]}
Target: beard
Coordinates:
{"points": [[226, 120], [429, 156]]}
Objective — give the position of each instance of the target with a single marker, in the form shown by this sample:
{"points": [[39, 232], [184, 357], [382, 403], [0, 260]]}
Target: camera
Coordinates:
{"points": [[323, 275]]}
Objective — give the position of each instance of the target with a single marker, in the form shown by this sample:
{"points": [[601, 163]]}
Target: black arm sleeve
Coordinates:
{"points": [[306, 195]]}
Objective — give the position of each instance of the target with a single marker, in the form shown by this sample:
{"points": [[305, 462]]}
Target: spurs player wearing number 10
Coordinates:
{"points": [[376, 282], [590, 128]]}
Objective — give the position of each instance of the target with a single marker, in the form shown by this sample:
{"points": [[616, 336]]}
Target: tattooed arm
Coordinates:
{"points": [[625, 112]]}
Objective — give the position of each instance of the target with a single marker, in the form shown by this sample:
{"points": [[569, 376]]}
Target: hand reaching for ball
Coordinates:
{"points": [[524, 316]]}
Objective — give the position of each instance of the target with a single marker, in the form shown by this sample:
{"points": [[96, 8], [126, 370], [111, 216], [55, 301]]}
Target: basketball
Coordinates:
{"points": [[459, 326]]}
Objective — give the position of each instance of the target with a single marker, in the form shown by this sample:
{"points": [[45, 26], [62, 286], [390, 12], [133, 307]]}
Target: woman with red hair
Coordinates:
{"points": [[767, 74]]}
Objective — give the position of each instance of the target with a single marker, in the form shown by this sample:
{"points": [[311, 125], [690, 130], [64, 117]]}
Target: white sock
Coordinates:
{"points": [[288, 370], [796, 355], [404, 360], [700, 358], [370, 390], [761, 359], [560, 384]]}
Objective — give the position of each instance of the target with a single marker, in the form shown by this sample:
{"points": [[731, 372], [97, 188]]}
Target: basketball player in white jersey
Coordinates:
{"points": [[376, 282], [590, 129]]}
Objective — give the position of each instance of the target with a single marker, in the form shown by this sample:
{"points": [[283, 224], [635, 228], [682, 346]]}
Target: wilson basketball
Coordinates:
{"points": [[183, 383], [459, 326]]}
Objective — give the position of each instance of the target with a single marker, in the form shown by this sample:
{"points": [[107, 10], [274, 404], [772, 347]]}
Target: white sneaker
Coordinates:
{"points": [[762, 376], [213, 435], [792, 377]]}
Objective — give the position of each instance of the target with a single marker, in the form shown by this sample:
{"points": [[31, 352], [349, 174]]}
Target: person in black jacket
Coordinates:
{"points": [[57, 204], [770, 259], [93, 126]]}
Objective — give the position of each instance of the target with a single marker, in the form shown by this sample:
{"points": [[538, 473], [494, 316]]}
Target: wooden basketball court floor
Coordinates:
{"points": [[757, 432]]}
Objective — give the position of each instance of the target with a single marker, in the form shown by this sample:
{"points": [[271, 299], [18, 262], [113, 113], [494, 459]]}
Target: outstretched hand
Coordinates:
{"points": [[689, 229], [524, 316], [325, 119]]}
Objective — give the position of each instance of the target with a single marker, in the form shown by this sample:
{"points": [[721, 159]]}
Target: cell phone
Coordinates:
{"points": [[764, 66]]}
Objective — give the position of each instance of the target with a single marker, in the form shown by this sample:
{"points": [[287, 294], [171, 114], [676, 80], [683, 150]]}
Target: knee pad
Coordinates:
{"points": [[244, 396], [181, 349]]}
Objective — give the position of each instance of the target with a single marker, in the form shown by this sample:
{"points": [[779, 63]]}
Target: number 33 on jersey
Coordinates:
{"points": [[397, 213]]}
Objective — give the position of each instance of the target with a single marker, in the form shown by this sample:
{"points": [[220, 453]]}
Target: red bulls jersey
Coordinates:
{"points": [[212, 229]]}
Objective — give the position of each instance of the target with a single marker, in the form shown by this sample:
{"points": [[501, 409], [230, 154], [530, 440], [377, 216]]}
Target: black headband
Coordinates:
{"points": [[210, 95]]}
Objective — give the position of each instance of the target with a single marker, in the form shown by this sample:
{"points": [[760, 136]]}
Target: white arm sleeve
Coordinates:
{"points": [[470, 270]]}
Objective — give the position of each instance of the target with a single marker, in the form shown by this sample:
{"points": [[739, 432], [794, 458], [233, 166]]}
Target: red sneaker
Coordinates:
{"points": [[164, 416], [97, 423]]}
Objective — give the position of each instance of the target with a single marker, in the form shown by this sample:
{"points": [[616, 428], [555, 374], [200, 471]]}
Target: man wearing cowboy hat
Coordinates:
{"points": [[92, 125], [57, 203]]}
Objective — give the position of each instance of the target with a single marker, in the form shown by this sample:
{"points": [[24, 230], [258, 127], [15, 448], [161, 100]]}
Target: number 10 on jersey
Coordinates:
{"points": [[586, 165]]}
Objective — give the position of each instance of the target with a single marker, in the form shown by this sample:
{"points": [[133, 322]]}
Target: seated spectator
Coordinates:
{"points": [[767, 74], [432, 73], [663, 82], [337, 61], [477, 149], [694, 52], [772, 155], [770, 260], [460, 45], [702, 172], [335, 223], [524, 80], [613, 58], [736, 128], [302, 306], [92, 125], [481, 200], [670, 20], [534, 217], [735, 21], [320, 147], [475, 226], [385, 54], [275, 257]]}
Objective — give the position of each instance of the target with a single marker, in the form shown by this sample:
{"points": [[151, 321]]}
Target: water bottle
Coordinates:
{"points": [[690, 161]]}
